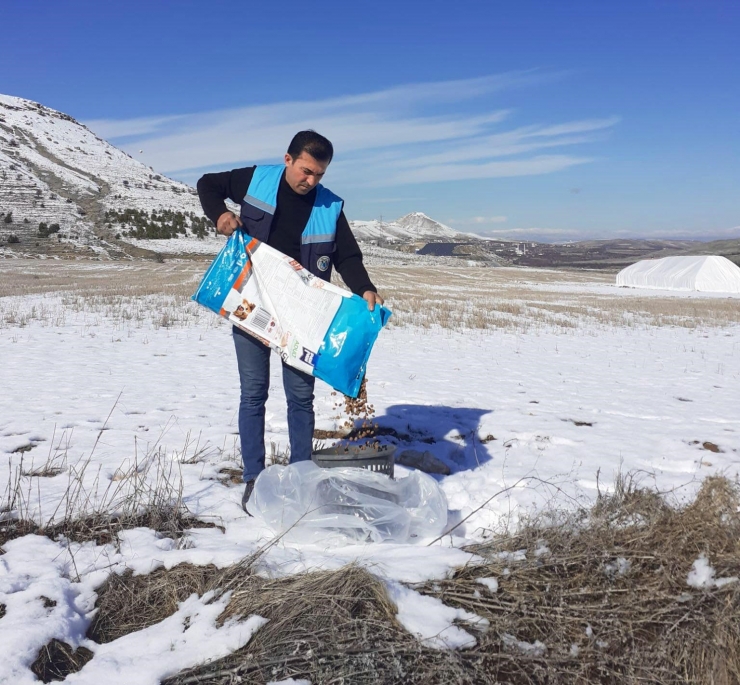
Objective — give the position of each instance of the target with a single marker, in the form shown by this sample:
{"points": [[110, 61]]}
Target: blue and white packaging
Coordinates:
{"points": [[313, 325]]}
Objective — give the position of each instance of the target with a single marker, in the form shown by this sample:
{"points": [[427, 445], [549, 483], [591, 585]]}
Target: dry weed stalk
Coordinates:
{"points": [[148, 494]]}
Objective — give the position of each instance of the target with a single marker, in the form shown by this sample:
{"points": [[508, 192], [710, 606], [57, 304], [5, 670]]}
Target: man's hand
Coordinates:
{"points": [[372, 299], [227, 223]]}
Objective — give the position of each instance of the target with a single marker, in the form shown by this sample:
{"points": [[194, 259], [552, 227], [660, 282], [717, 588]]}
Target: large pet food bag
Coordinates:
{"points": [[313, 325]]}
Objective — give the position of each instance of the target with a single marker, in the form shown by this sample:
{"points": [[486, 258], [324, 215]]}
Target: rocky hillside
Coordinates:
{"points": [[62, 188]]}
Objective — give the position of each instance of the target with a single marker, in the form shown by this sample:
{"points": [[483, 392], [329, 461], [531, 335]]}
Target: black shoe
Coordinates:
{"points": [[248, 488]]}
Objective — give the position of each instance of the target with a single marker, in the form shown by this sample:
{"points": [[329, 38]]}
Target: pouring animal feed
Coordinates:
{"points": [[343, 504], [313, 325]]}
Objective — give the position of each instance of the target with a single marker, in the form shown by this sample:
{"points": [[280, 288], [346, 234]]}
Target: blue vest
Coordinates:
{"points": [[318, 240]]}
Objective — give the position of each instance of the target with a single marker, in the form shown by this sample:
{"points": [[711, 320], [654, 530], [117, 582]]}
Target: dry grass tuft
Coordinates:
{"points": [[627, 503], [602, 599], [44, 472], [609, 599], [104, 528], [129, 603], [321, 624], [327, 626], [12, 529], [718, 498], [57, 660]]}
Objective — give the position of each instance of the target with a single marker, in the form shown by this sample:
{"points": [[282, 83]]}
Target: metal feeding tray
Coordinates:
{"points": [[378, 459]]}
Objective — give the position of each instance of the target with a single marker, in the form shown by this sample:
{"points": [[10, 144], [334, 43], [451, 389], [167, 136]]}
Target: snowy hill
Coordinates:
{"points": [[413, 227], [63, 188], [55, 171], [420, 224]]}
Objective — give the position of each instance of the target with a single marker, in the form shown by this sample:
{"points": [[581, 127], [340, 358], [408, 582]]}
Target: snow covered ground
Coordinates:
{"points": [[547, 414]]}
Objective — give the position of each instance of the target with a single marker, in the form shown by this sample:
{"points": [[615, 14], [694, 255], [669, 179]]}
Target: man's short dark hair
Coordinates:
{"points": [[313, 143]]}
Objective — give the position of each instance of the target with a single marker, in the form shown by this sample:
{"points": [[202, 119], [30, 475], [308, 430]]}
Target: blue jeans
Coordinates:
{"points": [[253, 359]]}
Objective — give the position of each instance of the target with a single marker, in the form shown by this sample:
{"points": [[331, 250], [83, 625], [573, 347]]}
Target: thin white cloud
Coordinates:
{"points": [[489, 219], [111, 129], [529, 232], [481, 148], [478, 220], [377, 200], [706, 235], [418, 133], [560, 235], [544, 164]]}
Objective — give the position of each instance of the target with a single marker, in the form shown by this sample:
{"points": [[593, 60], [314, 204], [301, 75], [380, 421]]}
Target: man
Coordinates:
{"points": [[289, 209]]}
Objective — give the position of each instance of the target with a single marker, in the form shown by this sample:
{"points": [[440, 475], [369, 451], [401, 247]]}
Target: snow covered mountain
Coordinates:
{"points": [[57, 174], [413, 227]]}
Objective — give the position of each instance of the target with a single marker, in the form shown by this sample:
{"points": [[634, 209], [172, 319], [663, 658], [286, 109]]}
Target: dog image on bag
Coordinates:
{"points": [[243, 310]]}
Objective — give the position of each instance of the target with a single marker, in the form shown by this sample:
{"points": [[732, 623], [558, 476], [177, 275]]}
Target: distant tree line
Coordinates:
{"points": [[163, 223]]}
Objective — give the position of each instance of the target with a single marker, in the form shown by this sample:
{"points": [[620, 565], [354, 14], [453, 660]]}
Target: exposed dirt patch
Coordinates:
{"points": [[44, 472], [23, 449], [372, 432], [233, 476], [578, 423], [711, 447], [57, 660]]}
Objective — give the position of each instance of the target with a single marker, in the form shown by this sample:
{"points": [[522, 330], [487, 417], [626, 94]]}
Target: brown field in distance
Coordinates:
{"points": [[449, 297]]}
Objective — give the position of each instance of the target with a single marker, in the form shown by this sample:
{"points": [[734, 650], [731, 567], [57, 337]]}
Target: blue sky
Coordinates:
{"points": [[547, 120]]}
